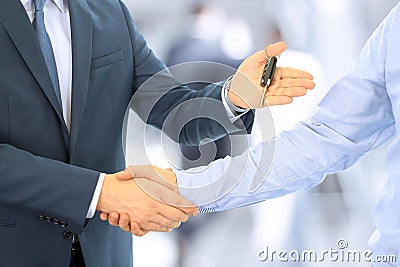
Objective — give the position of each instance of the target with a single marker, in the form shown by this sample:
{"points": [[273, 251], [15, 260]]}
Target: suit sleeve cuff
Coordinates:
{"points": [[96, 196]]}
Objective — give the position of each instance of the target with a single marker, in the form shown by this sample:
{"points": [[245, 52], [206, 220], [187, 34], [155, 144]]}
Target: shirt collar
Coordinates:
{"points": [[61, 4]]}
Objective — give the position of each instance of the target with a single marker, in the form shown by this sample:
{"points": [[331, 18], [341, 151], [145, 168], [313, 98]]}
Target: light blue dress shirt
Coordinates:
{"points": [[358, 114]]}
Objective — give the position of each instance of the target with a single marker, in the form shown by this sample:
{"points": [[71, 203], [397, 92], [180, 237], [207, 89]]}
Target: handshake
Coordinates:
{"points": [[142, 199]]}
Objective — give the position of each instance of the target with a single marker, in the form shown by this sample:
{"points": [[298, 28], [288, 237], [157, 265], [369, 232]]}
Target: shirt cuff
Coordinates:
{"points": [[96, 196], [191, 188], [231, 110]]}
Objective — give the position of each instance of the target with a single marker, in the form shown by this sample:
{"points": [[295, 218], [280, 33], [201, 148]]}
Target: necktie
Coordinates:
{"points": [[46, 47]]}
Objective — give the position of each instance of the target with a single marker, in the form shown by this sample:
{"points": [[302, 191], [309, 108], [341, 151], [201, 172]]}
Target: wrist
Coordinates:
{"points": [[233, 99], [102, 204]]}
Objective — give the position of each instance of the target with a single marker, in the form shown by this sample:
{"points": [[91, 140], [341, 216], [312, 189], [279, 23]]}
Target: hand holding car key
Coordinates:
{"points": [[257, 84]]}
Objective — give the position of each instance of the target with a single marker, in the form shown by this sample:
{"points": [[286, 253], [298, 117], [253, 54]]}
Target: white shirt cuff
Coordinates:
{"points": [[231, 109], [96, 196]]}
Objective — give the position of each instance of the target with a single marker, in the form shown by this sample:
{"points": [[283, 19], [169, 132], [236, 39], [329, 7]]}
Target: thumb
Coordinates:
{"points": [[124, 175], [275, 49], [163, 177], [142, 171]]}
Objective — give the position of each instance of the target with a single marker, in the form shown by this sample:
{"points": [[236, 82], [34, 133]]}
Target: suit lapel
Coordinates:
{"points": [[81, 28], [16, 22]]}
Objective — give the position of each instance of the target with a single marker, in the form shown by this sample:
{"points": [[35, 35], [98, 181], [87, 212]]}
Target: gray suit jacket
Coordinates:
{"points": [[48, 176]]}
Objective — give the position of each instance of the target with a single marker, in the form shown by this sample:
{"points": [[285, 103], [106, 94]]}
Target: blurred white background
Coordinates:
{"points": [[323, 37]]}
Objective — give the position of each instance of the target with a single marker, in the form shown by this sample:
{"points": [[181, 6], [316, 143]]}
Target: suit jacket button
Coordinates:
{"points": [[67, 234], [47, 219], [40, 217], [63, 224]]}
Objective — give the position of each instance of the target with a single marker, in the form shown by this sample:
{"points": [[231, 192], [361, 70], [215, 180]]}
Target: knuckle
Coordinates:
{"points": [[283, 71], [153, 205], [141, 219]]}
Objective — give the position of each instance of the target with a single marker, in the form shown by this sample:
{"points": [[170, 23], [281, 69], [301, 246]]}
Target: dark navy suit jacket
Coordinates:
{"points": [[48, 176]]}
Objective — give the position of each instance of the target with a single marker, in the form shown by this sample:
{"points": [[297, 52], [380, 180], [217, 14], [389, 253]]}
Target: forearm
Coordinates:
{"points": [[45, 186], [332, 140], [272, 170], [185, 115]]}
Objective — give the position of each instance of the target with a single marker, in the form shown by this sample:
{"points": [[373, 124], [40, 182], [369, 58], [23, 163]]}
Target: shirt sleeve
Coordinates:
{"points": [[96, 196], [354, 118]]}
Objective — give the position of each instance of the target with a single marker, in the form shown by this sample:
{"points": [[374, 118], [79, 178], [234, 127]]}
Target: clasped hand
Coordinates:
{"points": [[142, 199]]}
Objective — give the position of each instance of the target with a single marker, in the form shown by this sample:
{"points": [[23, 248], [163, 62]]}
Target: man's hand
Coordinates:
{"points": [[142, 205], [245, 90]]}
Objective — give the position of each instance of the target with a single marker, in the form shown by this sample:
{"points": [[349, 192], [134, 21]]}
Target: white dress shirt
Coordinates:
{"points": [[57, 21]]}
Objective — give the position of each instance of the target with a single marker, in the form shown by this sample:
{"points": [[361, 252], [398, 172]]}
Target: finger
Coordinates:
{"points": [[275, 49], [136, 230], [113, 218], [166, 212], [155, 227], [293, 73], [291, 91], [166, 196], [124, 175], [103, 216], [174, 214], [176, 200], [124, 222], [290, 82], [169, 221], [154, 174], [271, 100], [159, 220]]}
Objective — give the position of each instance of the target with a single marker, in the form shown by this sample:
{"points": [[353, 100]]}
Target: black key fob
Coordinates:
{"points": [[269, 71]]}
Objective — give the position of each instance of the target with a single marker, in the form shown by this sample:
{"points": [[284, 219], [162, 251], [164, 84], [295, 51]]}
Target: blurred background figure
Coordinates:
{"points": [[203, 37], [323, 37]]}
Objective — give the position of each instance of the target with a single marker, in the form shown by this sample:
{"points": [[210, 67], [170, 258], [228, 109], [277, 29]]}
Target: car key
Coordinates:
{"points": [[267, 76]]}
